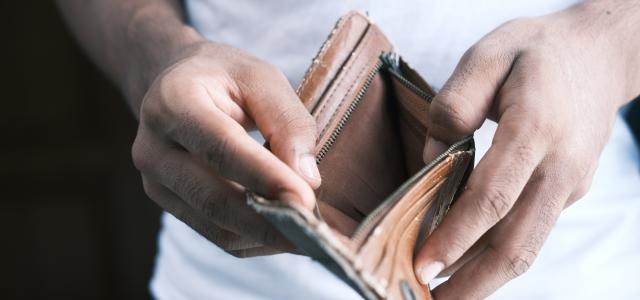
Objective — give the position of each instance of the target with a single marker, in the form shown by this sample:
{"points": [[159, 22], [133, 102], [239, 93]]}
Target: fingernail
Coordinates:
{"points": [[309, 169], [432, 149], [430, 271]]}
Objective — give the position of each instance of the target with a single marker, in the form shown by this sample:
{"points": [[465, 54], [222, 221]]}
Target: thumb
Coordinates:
{"points": [[284, 122], [465, 100]]}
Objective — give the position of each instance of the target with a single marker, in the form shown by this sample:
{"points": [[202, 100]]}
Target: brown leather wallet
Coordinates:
{"points": [[377, 194]]}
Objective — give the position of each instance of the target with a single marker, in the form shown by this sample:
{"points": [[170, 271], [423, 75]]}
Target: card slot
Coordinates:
{"points": [[410, 100], [366, 162]]}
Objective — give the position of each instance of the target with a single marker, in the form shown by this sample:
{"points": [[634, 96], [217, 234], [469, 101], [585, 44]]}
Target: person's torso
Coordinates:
{"points": [[432, 36]]}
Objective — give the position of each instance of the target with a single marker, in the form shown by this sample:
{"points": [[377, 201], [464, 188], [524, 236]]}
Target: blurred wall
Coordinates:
{"points": [[74, 220]]}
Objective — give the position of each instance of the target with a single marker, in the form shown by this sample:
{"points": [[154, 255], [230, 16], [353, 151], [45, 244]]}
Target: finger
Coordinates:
{"points": [[219, 201], [171, 203], [230, 108], [469, 255], [224, 145], [463, 103], [282, 119], [491, 191], [514, 242]]}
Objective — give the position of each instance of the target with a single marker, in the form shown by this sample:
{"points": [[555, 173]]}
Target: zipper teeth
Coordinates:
{"points": [[372, 219], [392, 59], [408, 84], [343, 120]]}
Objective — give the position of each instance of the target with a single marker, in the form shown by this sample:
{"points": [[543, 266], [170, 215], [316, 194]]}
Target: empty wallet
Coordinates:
{"points": [[377, 195]]}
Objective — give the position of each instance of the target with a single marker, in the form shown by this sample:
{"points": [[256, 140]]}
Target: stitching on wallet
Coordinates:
{"points": [[364, 46], [320, 56]]}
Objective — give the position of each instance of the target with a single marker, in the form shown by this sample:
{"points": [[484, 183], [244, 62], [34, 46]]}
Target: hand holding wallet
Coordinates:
{"points": [[371, 111]]}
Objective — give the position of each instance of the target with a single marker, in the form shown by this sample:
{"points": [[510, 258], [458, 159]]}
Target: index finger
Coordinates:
{"points": [[491, 191], [223, 144]]}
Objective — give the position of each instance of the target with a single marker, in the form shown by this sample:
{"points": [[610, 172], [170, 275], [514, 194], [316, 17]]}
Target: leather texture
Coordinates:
{"points": [[378, 199]]}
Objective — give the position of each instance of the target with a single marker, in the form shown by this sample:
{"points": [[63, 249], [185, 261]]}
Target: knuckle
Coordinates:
{"points": [[524, 145], [270, 69], [273, 69], [489, 54], [539, 127], [455, 248], [582, 189], [538, 62], [220, 153], [261, 70], [140, 154], [451, 114], [294, 132], [184, 128], [293, 117], [480, 52], [216, 206], [148, 188], [517, 262], [576, 167], [584, 184], [189, 188], [529, 124], [159, 102], [517, 24], [525, 153], [494, 204]]}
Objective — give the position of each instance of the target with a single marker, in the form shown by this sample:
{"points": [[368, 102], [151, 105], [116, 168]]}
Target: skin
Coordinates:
{"points": [[553, 84], [195, 100]]}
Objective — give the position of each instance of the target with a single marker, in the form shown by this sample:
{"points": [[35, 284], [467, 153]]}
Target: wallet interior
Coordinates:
{"points": [[376, 189], [372, 145], [371, 110]]}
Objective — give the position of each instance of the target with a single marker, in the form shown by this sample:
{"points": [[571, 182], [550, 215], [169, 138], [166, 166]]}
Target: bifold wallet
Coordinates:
{"points": [[377, 194]]}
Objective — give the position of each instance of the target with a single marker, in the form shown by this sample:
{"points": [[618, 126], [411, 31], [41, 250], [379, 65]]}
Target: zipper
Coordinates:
{"points": [[347, 115], [375, 216], [393, 61]]}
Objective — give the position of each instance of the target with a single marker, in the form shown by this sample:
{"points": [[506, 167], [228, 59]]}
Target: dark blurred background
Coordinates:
{"points": [[74, 220]]}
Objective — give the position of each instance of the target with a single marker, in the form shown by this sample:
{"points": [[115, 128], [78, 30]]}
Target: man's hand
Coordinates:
{"points": [[553, 84], [196, 157], [198, 101]]}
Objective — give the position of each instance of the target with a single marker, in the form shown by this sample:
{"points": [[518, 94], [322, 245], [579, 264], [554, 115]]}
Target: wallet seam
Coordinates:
{"points": [[335, 88], [321, 54]]}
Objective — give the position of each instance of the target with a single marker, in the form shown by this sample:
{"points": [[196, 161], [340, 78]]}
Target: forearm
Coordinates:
{"points": [[132, 41]]}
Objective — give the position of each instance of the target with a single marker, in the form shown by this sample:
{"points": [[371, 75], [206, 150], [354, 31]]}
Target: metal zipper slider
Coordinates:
{"points": [[392, 60]]}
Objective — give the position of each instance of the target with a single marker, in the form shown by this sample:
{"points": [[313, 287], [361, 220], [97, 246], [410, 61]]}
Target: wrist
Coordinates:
{"points": [[157, 39]]}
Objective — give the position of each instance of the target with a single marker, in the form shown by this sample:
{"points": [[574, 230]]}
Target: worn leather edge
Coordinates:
{"points": [[335, 51], [349, 82], [312, 236]]}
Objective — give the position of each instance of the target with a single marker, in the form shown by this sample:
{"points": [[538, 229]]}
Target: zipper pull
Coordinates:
{"points": [[392, 60]]}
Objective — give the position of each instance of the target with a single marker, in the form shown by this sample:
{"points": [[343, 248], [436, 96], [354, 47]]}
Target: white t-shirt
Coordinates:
{"points": [[592, 253]]}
